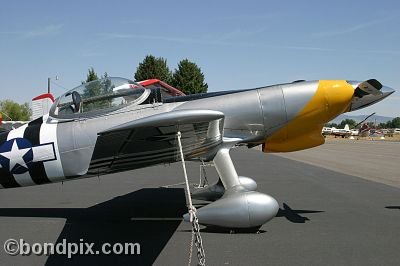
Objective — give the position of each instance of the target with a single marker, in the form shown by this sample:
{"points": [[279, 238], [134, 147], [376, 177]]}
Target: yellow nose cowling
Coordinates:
{"points": [[332, 98]]}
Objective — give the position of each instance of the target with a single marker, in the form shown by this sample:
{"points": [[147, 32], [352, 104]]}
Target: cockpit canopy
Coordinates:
{"points": [[103, 94]]}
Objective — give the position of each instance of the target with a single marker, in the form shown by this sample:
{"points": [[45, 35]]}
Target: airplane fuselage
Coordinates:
{"points": [[282, 118]]}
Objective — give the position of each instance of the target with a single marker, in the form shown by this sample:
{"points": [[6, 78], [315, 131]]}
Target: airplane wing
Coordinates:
{"points": [[152, 140]]}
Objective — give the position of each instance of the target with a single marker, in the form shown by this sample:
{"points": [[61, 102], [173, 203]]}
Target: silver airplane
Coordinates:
{"points": [[114, 124]]}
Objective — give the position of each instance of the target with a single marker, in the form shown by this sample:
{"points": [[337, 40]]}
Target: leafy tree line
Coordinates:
{"points": [[11, 110], [187, 77], [394, 123], [102, 86], [342, 124], [153, 68]]}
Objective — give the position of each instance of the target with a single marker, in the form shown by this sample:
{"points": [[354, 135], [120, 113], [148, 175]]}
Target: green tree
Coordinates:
{"points": [[189, 78], [153, 68], [381, 125], [15, 111], [96, 87], [91, 75], [331, 125], [394, 123], [93, 88], [349, 122]]}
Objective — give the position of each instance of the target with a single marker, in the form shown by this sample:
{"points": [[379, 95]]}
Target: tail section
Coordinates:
{"points": [[41, 105]]}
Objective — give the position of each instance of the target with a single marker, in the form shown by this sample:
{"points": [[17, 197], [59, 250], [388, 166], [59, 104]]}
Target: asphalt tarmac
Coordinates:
{"points": [[326, 217], [374, 160]]}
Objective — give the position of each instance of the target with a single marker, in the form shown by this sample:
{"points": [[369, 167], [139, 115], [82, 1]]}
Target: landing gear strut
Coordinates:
{"points": [[239, 207]]}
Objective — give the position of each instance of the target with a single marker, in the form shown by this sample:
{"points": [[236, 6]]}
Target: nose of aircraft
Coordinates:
{"points": [[368, 92], [387, 90], [331, 98]]}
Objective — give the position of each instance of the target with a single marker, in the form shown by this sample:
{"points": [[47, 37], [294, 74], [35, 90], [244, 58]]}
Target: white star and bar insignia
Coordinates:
{"points": [[17, 155]]}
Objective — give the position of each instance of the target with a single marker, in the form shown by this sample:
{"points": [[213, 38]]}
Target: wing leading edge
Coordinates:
{"points": [[152, 140]]}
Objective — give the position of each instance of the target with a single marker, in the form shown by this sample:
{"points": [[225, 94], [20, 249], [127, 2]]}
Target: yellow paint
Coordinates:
{"points": [[332, 98]]}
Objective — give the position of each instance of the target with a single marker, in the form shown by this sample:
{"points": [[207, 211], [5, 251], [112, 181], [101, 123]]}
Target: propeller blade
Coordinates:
{"points": [[371, 86], [364, 120], [367, 93]]}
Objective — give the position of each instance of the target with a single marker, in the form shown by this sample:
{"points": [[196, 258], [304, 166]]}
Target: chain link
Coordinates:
{"points": [[191, 248], [201, 255], [196, 237]]}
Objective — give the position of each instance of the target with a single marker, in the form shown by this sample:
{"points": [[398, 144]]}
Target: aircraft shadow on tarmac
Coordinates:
{"points": [[138, 217], [393, 207], [286, 212], [294, 215]]}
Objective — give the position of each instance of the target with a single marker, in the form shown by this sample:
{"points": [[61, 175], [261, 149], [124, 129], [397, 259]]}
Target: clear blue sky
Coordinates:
{"points": [[237, 44]]}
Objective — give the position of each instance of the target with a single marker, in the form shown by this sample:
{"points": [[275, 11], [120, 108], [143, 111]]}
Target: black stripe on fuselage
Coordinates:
{"points": [[37, 121], [36, 170], [7, 180], [32, 134]]}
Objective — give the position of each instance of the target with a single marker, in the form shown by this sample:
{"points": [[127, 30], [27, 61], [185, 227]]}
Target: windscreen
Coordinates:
{"points": [[102, 94]]}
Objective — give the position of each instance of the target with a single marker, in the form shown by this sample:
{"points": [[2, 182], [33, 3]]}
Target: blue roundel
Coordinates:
{"points": [[8, 158]]}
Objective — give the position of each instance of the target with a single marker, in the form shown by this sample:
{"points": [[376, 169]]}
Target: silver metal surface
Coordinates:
{"points": [[368, 92], [248, 183], [178, 117], [297, 95], [245, 117], [370, 99], [152, 140], [238, 208], [217, 190], [224, 165], [273, 108]]}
